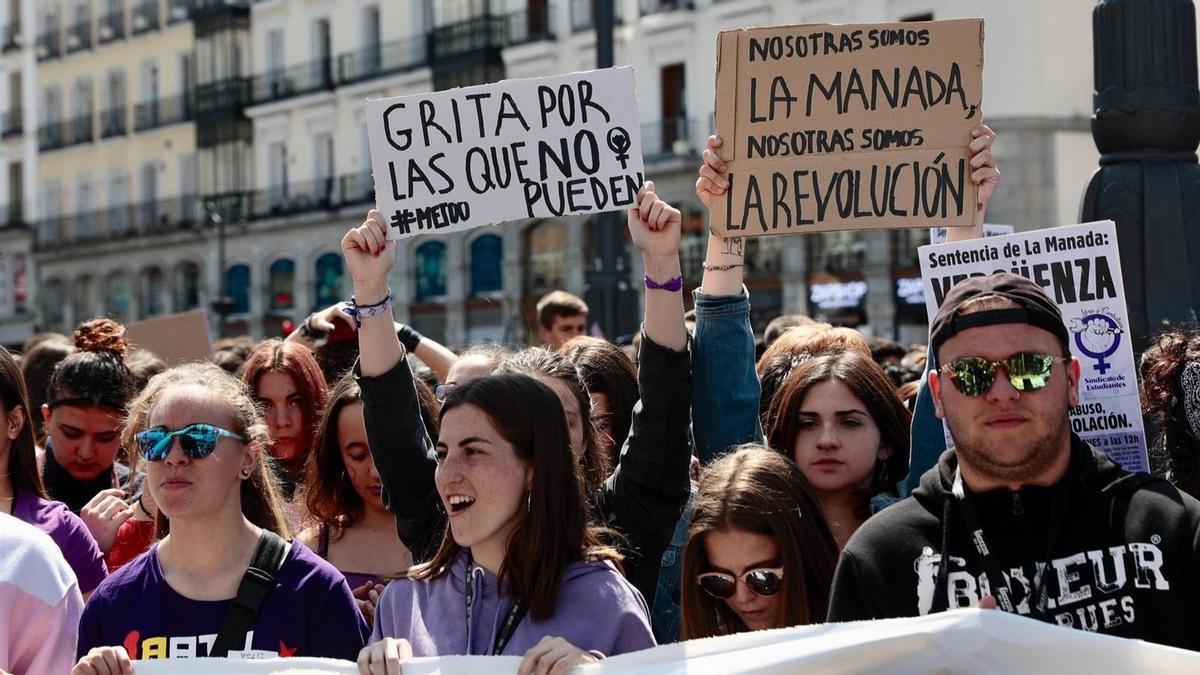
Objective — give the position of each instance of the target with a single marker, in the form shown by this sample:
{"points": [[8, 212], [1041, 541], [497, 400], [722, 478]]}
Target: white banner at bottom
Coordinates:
{"points": [[962, 641]]}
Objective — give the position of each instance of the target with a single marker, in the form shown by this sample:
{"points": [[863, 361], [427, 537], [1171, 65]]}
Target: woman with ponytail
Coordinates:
{"points": [[85, 415], [1171, 396], [204, 442]]}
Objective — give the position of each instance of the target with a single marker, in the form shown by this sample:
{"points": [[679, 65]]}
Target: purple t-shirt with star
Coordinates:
{"points": [[310, 612], [68, 531]]}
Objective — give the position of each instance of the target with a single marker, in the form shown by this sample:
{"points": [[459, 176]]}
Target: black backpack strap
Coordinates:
{"points": [[256, 585]]}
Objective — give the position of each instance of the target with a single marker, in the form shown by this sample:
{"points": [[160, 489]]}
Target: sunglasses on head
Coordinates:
{"points": [[1027, 371], [197, 440], [763, 581]]}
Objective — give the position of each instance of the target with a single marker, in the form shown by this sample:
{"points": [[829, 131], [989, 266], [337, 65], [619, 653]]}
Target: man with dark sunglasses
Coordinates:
{"points": [[1030, 518]]}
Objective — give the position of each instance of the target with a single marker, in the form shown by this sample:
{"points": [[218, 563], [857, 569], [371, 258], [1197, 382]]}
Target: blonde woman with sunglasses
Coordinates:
{"points": [[219, 513], [759, 555]]}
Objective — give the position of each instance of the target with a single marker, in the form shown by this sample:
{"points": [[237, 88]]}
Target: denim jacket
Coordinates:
{"points": [[725, 389]]}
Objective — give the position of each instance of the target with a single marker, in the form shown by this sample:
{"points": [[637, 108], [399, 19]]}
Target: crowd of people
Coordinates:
{"points": [[359, 491]]}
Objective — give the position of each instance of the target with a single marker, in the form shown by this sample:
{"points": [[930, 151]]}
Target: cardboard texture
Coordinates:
{"points": [[536, 148], [841, 127], [176, 339]]}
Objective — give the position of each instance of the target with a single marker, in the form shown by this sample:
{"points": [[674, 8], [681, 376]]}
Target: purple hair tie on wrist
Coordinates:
{"points": [[672, 285]]}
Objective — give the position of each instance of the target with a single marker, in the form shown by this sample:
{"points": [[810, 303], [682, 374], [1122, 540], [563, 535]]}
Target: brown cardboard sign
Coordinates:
{"points": [[176, 339], [853, 126]]}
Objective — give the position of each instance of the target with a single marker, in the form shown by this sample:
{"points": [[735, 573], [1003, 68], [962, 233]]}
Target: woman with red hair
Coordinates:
{"points": [[287, 381]]}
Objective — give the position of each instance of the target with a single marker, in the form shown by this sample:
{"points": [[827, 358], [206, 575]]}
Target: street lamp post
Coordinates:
{"points": [[223, 305], [608, 295], [1146, 125]]}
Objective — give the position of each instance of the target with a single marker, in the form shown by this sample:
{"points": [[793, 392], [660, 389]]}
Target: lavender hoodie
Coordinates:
{"points": [[597, 610]]}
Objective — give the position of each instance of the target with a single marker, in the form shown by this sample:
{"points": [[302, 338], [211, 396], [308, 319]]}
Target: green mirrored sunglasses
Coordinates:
{"points": [[1027, 371]]}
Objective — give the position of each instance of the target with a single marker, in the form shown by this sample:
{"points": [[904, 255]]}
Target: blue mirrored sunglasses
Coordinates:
{"points": [[197, 440]]}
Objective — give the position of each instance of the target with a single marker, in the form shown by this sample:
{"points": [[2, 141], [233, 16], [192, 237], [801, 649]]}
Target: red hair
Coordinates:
{"points": [[295, 360]]}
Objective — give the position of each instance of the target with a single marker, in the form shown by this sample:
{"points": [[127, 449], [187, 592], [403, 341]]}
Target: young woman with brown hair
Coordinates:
{"points": [[839, 419], [611, 382], [287, 381], [641, 498], [759, 555], [204, 442], [343, 494], [85, 415], [565, 380], [518, 545]]}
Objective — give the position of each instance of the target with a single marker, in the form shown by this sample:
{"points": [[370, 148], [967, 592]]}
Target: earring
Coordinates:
{"points": [[881, 472], [245, 473], [529, 500]]}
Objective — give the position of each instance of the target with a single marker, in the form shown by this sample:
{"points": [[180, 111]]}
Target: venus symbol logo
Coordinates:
{"points": [[1097, 335], [618, 142]]}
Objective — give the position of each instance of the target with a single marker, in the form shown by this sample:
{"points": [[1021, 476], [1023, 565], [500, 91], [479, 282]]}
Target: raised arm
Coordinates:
{"points": [[396, 435], [655, 227], [725, 389], [333, 323], [645, 494]]}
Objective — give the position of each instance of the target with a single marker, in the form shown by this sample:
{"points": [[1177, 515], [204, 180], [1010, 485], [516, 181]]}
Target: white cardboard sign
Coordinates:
{"points": [[1079, 267], [534, 148]]}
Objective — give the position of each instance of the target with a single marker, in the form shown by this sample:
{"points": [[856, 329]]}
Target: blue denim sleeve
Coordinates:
{"points": [[725, 388], [666, 617], [928, 437]]}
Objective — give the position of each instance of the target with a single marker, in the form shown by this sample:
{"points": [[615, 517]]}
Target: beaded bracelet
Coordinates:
{"points": [[722, 268], [359, 312]]}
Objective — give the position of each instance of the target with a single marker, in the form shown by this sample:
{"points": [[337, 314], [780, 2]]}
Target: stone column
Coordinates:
{"points": [[456, 288], [877, 271], [513, 281], [793, 270], [573, 256]]}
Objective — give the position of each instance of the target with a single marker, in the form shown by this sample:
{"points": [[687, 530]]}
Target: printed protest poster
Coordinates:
{"points": [[838, 127], [176, 338], [1079, 267], [540, 147]]}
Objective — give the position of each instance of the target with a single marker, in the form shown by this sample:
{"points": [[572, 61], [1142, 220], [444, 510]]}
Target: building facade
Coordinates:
{"points": [[176, 152]]}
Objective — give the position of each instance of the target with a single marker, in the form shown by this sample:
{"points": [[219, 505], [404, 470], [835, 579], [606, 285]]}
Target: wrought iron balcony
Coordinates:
{"points": [[64, 133], [145, 16], [12, 38], [187, 212], [80, 130], [306, 78], [163, 112], [675, 137], [357, 188], [178, 11], [460, 39], [49, 45], [79, 37], [51, 136], [13, 124], [382, 59], [113, 122], [112, 27]]}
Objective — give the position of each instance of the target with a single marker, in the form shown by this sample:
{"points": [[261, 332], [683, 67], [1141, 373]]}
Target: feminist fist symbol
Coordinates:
{"points": [[618, 142]]}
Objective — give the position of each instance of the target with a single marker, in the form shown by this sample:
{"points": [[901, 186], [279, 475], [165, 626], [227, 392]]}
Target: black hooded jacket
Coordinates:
{"points": [[1125, 560]]}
